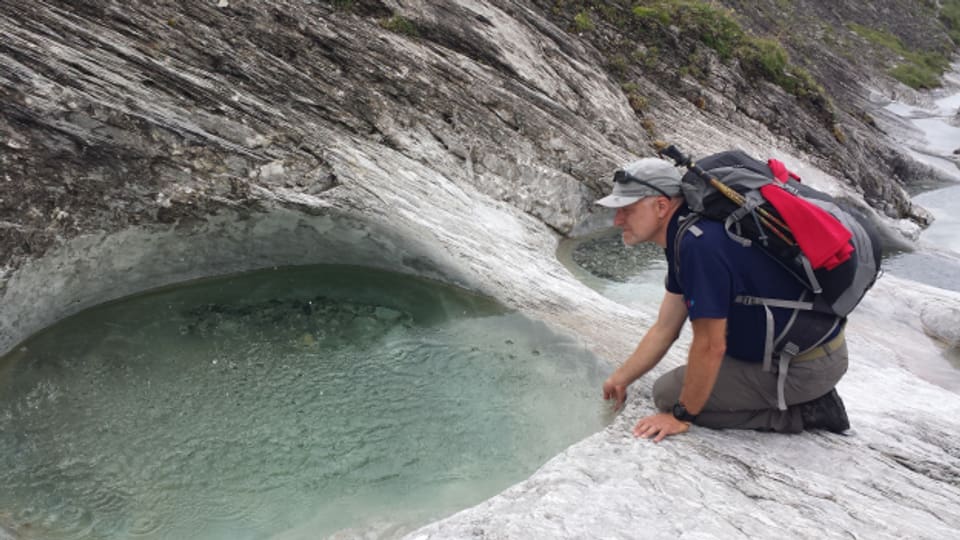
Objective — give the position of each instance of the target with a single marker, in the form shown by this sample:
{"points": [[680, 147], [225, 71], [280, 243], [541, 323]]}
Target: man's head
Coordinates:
{"points": [[645, 194]]}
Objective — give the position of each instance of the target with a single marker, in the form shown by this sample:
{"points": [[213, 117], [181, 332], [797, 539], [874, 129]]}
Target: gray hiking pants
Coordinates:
{"points": [[745, 397]]}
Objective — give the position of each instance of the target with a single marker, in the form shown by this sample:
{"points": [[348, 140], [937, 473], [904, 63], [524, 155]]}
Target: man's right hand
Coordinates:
{"points": [[615, 390]]}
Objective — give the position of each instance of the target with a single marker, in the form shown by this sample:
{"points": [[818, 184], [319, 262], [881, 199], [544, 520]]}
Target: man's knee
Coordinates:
{"points": [[666, 389]]}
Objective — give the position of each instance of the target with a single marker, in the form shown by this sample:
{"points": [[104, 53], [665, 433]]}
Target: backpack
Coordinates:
{"points": [[834, 282]]}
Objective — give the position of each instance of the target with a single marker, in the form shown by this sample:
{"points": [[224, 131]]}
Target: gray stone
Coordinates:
{"points": [[387, 314], [942, 321]]}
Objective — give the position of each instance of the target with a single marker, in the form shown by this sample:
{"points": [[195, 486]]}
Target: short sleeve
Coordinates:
{"points": [[705, 279], [671, 282]]}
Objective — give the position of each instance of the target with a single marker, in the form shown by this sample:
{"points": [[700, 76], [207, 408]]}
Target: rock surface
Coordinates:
{"points": [[896, 474], [148, 143], [941, 320]]}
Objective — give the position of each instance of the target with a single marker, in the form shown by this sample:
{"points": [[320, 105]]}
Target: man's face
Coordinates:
{"points": [[639, 221]]}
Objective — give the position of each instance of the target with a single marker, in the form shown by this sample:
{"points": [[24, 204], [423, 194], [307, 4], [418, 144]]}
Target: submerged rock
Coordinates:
{"points": [[293, 319], [608, 257]]}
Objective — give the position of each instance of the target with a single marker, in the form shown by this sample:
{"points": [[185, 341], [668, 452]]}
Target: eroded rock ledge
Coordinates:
{"points": [[135, 113]]}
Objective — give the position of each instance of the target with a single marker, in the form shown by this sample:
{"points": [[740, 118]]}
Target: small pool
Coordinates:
{"points": [[304, 402], [937, 262], [630, 275]]}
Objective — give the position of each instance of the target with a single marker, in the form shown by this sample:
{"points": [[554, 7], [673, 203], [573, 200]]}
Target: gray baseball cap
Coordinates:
{"points": [[645, 177]]}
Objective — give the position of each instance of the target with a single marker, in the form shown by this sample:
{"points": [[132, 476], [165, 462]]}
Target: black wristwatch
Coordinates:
{"points": [[680, 413]]}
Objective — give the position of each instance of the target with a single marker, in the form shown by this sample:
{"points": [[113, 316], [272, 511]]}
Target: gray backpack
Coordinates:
{"points": [[830, 294]]}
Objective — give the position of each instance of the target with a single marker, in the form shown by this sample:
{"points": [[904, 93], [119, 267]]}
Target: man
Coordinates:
{"points": [[723, 384]]}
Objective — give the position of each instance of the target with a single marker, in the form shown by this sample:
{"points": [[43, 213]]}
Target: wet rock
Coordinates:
{"points": [[608, 257], [299, 320], [386, 314], [6, 534], [909, 229], [942, 321], [362, 329]]}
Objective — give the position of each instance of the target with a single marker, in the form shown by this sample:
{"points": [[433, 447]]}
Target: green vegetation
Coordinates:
{"points": [[712, 25], [768, 58], [767, 55], [649, 126], [636, 100], [839, 135], [879, 37], [653, 13], [647, 57], [716, 27], [618, 65], [950, 16], [400, 25], [686, 38], [920, 69], [583, 23], [917, 76]]}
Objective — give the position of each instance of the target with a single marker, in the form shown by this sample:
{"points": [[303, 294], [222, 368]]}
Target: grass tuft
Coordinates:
{"points": [[919, 69], [401, 25]]}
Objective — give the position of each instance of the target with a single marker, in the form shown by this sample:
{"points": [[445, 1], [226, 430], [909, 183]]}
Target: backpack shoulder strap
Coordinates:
{"points": [[688, 223]]}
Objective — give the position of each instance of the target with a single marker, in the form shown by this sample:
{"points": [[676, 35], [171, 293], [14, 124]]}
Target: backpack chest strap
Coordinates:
{"points": [[773, 302]]}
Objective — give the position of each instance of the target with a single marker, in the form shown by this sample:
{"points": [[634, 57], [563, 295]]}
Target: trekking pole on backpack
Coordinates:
{"points": [[768, 220]]}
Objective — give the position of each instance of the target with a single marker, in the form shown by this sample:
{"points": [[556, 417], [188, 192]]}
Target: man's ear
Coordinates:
{"points": [[663, 205]]}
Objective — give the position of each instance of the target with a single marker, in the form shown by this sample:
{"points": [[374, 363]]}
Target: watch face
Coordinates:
{"points": [[679, 411]]}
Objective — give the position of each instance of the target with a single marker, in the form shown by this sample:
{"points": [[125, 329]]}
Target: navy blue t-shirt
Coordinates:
{"points": [[715, 269]]}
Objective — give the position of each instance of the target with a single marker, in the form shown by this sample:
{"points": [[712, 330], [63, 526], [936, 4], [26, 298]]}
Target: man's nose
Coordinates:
{"points": [[618, 217]]}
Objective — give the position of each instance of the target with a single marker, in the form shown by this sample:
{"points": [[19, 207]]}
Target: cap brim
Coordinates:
{"points": [[617, 201]]}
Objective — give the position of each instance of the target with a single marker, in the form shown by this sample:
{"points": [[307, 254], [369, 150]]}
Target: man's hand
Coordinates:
{"points": [[615, 390], [659, 426]]}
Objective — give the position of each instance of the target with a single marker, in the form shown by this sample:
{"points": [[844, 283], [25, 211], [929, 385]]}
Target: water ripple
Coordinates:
{"points": [[241, 415]]}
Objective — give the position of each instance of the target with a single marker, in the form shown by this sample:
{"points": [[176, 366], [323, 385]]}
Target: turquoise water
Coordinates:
{"points": [[295, 403], [629, 275], [937, 263]]}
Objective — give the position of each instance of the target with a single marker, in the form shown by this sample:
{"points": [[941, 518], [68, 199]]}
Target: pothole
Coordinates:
{"points": [[295, 403], [630, 275]]}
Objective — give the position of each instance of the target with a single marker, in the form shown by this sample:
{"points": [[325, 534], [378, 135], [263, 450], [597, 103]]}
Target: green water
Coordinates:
{"points": [[630, 275], [294, 403]]}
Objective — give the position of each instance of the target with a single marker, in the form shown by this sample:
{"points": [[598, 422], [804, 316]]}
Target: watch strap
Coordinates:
{"points": [[681, 413]]}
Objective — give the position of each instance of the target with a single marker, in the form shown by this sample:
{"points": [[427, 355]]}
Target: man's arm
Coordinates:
{"points": [[655, 343], [703, 364]]}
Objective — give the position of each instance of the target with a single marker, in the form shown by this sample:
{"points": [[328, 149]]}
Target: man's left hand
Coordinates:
{"points": [[659, 426]]}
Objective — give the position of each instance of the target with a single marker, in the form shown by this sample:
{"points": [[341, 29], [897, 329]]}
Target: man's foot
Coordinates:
{"points": [[826, 412]]}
